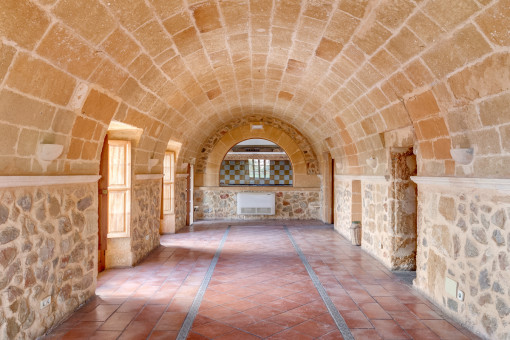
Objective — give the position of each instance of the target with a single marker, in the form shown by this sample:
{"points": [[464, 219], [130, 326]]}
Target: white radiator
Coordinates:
{"points": [[255, 203]]}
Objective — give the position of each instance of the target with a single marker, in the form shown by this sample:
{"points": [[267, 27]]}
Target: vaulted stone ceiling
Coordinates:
{"points": [[342, 72]]}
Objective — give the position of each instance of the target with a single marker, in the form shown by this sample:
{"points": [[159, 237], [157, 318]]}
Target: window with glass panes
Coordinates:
{"points": [[168, 183], [259, 168], [119, 188]]}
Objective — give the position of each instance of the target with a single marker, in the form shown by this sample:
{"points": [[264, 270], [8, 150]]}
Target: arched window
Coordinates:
{"points": [[256, 162]]}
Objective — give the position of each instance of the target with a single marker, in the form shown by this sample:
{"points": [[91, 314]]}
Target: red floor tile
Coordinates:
{"points": [[264, 328], [237, 335], [100, 313], [105, 335], [213, 329], [374, 311], [118, 321], [163, 335], [137, 330], [151, 313], [422, 311], [356, 320], [290, 334], [444, 329], [314, 328], [171, 321], [287, 319], [365, 334], [422, 334], [389, 329]]}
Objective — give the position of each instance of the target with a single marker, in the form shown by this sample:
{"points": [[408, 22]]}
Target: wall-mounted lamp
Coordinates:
{"points": [[49, 152], [153, 162], [46, 153], [462, 155], [372, 162]]}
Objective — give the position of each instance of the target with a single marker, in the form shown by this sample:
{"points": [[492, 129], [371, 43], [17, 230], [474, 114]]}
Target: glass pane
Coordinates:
{"points": [[250, 167], [261, 168], [172, 164], [117, 171], [167, 168], [117, 211], [268, 169]]}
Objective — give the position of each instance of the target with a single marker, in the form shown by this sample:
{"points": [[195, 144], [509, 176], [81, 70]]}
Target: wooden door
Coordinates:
{"points": [[103, 206], [188, 195], [333, 191]]}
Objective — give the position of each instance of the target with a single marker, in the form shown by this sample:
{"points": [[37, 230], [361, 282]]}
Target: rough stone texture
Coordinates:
{"points": [[46, 256], [145, 218], [220, 203], [480, 265], [180, 202], [388, 213], [145, 223], [343, 206]]}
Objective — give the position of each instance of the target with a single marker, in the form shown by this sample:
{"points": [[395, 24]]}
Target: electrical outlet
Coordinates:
{"points": [[45, 302], [460, 295]]}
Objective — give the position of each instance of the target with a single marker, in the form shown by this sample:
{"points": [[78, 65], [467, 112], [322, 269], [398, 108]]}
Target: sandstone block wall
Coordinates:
{"points": [[377, 235], [145, 218], [48, 247], [222, 204], [180, 202], [388, 223], [343, 203], [465, 235]]}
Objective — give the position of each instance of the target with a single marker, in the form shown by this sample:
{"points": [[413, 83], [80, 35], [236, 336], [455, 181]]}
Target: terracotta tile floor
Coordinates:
{"points": [[259, 289]]}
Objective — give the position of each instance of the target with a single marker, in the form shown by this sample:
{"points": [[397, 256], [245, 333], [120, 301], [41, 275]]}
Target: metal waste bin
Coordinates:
{"points": [[356, 233]]}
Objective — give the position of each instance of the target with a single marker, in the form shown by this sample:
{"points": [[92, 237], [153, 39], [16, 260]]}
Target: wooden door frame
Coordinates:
{"points": [[188, 203], [333, 191], [102, 230]]}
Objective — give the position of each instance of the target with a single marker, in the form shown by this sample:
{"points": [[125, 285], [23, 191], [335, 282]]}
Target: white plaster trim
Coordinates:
{"points": [[181, 175], [37, 181], [256, 188], [142, 177], [370, 179], [500, 184]]}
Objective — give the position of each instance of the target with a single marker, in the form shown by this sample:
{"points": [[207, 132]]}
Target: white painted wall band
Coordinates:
{"points": [[37, 181], [499, 184]]}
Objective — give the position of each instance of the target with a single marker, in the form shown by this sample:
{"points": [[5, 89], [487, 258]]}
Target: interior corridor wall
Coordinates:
{"points": [[464, 234], [48, 247]]}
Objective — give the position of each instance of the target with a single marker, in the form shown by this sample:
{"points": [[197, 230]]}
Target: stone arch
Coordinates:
{"points": [[310, 158], [211, 169]]}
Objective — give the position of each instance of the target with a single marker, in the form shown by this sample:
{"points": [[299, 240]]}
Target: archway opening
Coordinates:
{"points": [[256, 162]]}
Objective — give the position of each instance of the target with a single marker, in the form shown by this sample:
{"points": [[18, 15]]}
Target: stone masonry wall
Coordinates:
{"points": [[388, 224], [180, 202], [221, 204], [377, 236], [465, 235], [48, 247], [343, 202], [145, 218]]}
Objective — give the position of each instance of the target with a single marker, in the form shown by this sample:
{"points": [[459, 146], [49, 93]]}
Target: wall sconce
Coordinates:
{"points": [[462, 155], [46, 153], [49, 152], [153, 162], [372, 162]]}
